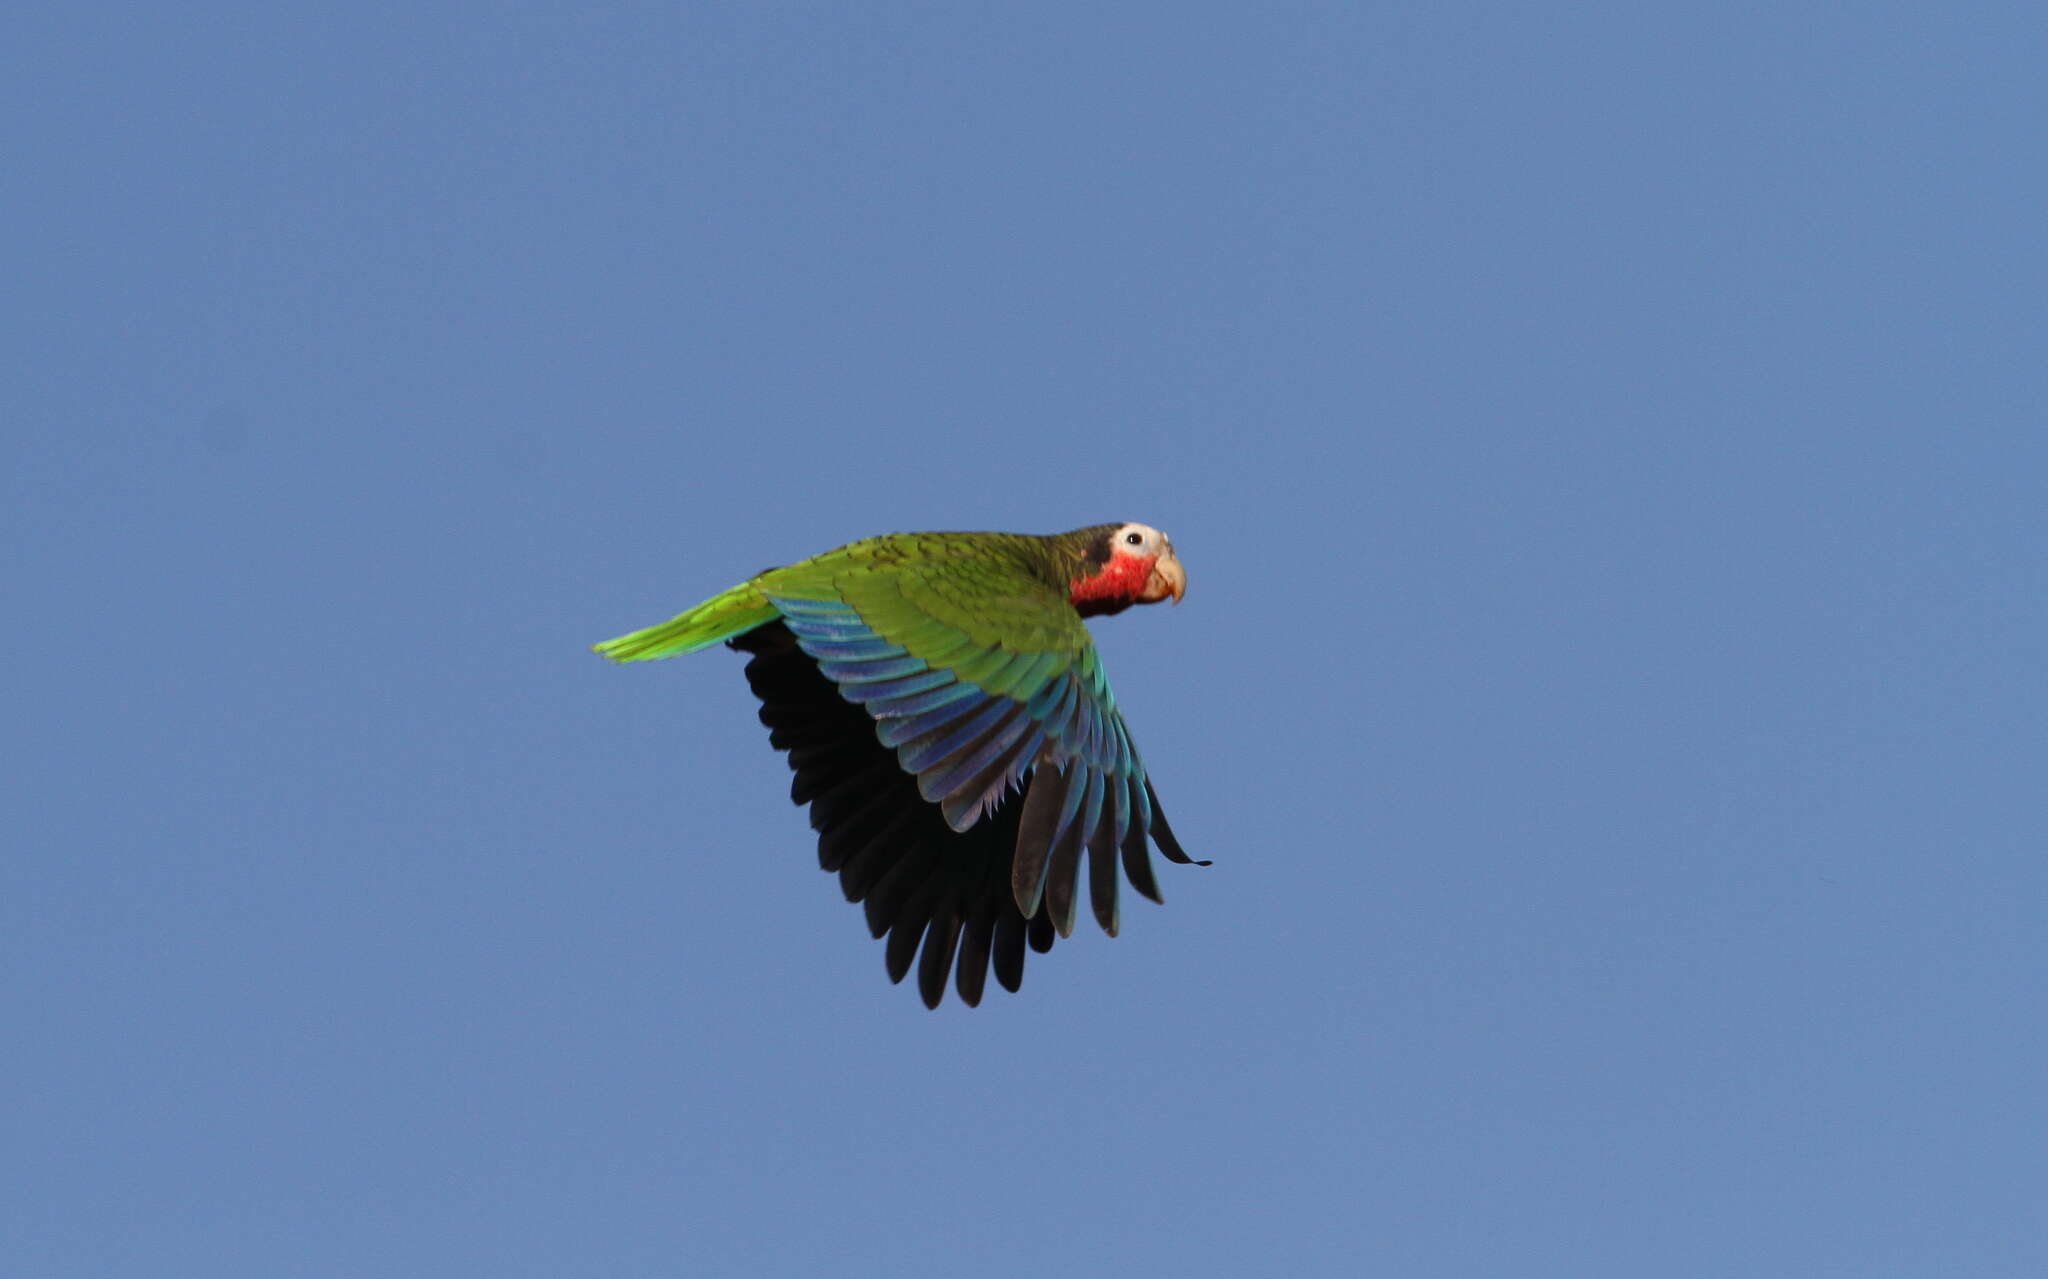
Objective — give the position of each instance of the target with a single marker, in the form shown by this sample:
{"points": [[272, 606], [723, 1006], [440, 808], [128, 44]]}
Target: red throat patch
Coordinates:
{"points": [[1115, 587]]}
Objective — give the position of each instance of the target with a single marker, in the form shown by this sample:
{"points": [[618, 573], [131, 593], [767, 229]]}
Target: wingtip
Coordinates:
{"points": [[1027, 891]]}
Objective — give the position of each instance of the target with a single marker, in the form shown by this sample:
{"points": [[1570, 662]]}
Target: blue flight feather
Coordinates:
{"points": [[904, 686], [895, 732], [863, 649], [928, 750], [869, 672], [917, 703], [944, 781]]}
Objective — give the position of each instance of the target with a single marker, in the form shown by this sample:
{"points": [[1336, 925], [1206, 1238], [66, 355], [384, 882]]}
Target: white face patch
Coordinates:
{"points": [[1138, 539]]}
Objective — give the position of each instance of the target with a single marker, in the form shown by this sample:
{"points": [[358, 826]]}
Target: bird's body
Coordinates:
{"points": [[916, 680]]}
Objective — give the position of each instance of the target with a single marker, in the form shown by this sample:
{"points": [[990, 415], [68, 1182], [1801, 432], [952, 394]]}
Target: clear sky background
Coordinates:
{"points": [[1606, 443]]}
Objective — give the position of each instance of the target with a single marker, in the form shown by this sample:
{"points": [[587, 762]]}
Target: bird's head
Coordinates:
{"points": [[1126, 564]]}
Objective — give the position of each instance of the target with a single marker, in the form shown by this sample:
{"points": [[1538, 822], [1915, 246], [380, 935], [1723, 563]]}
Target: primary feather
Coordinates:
{"points": [[951, 729]]}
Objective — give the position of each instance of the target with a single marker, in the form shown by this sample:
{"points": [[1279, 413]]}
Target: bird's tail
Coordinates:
{"points": [[721, 617]]}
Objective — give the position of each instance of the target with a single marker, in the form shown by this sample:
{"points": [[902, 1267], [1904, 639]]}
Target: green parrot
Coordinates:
{"points": [[920, 680]]}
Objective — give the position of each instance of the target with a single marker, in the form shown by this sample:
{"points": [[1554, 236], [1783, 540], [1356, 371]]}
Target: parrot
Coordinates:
{"points": [[951, 729]]}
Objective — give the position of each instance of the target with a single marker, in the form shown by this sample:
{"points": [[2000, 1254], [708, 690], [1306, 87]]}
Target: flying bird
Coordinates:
{"points": [[951, 729]]}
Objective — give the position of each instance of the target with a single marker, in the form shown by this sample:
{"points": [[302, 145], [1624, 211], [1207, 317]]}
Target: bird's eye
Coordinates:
{"points": [[1133, 539]]}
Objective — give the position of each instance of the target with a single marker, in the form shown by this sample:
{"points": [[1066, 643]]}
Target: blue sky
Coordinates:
{"points": [[1606, 443]]}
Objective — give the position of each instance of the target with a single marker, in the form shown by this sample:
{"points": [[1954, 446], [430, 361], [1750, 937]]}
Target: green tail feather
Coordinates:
{"points": [[719, 618]]}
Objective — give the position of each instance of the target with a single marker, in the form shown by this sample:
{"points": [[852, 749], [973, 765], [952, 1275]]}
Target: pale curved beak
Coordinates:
{"points": [[1167, 578]]}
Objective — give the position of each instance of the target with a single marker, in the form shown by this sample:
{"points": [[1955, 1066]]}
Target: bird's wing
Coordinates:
{"points": [[978, 677]]}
